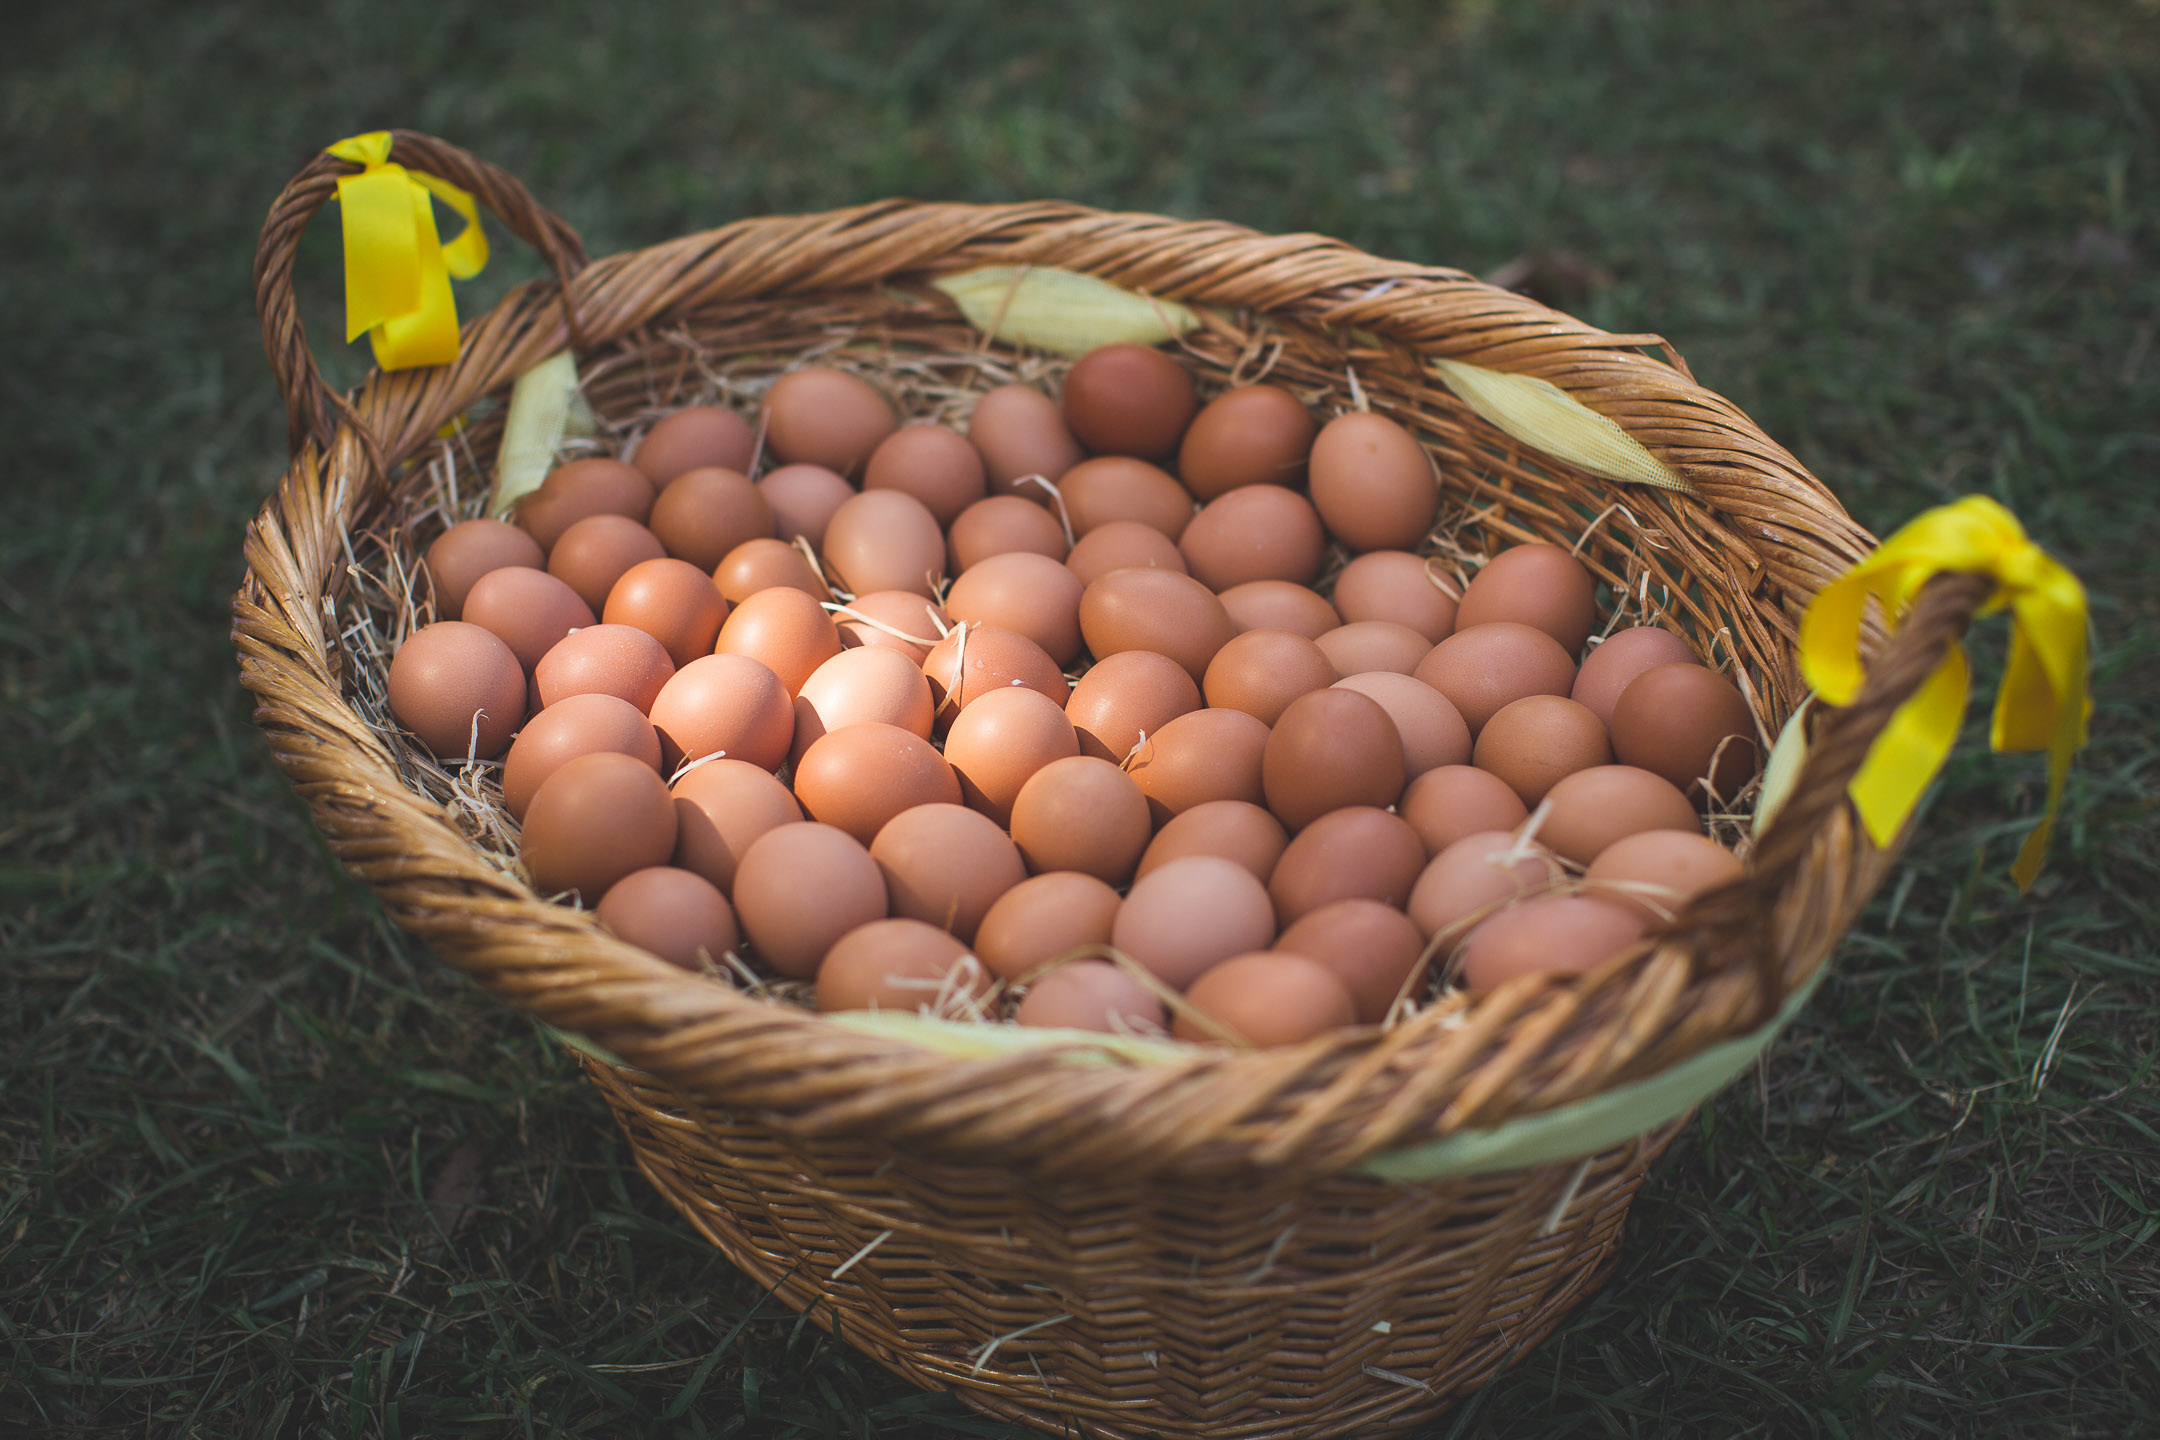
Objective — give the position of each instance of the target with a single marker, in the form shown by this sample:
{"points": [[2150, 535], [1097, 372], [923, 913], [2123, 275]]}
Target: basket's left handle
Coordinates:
{"points": [[309, 403]]}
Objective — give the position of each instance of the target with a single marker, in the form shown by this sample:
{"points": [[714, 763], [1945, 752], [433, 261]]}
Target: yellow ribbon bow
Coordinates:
{"points": [[2044, 702], [397, 270]]}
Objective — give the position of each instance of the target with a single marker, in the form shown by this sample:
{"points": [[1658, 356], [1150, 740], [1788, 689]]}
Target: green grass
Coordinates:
{"points": [[270, 1170]]}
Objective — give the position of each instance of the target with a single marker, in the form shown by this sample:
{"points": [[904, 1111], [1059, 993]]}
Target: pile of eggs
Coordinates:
{"points": [[1047, 720]]}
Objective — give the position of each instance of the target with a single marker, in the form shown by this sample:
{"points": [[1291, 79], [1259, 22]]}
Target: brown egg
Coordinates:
{"points": [[996, 743], [1279, 605], [1450, 802], [1484, 667], [1593, 808], [1158, 610], [1118, 487], [1655, 872], [1370, 946], [1373, 484], [885, 540], [1191, 914], [786, 629], [1358, 852], [678, 916], [697, 437], [1253, 435], [764, 564], [1262, 671], [1473, 877], [979, 660], [528, 610], [593, 486], [1021, 432], [1259, 532], [1548, 935], [799, 888], [459, 689], [1129, 400], [894, 620], [1201, 756], [1023, 591], [860, 776], [1123, 545], [1680, 721], [674, 602], [731, 705], [469, 550], [904, 966], [704, 514], [1236, 830], [947, 865], [871, 682], [1081, 813], [579, 725], [1541, 586], [1364, 647], [1092, 995], [721, 808], [1397, 586], [1613, 663], [1267, 998], [935, 465], [598, 818], [999, 524], [618, 660], [599, 550], [1330, 749], [1433, 731], [821, 416], [1125, 696], [1043, 919], [803, 500], [1534, 742]]}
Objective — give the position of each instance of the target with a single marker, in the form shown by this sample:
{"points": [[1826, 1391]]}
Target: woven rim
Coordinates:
{"points": [[1763, 527]]}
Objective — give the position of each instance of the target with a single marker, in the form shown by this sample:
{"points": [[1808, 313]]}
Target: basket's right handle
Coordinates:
{"points": [[308, 401]]}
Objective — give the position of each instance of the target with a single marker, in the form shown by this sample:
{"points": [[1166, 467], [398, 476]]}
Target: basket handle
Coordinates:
{"points": [[309, 402]]}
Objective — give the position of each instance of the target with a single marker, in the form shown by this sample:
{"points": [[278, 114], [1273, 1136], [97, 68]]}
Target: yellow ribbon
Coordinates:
{"points": [[2044, 702], [397, 270]]}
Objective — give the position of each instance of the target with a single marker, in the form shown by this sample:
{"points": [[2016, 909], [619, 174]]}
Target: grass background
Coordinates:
{"points": [[269, 1170]]}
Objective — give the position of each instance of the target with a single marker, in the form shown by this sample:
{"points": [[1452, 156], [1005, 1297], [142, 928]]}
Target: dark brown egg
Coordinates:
{"points": [[618, 660], [1123, 545], [528, 610], [1433, 731], [579, 725], [459, 688], [1534, 742], [1372, 948], [678, 916], [1450, 802], [1484, 667], [1366, 646], [822, 416], [1023, 591], [1331, 748], [704, 514], [1687, 722], [1236, 830], [1092, 995], [884, 540], [1279, 605], [1614, 662], [1548, 935], [894, 620], [786, 629], [695, 438], [722, 807], [598, 551], [1593, 808], [469, 550], [1200, 756], [1359, 852], [1125, 696], [1475, 876], [979, 660], [1541, 586], [729, 705], [766, 564], [593, 486], [1118, 487], [996, 745], [1262, 671], [671, 600], [1081, 813], [1021, 432], [859, 776], [1192, 914], [904, 966], [999, 524], [803, 500], [1265, 999], [1129, 400], [1656, 872], [598, 818], [1253, 435], [947, 865], [1373, 484], [1043, 919], [935, 465], [799, 888], [1399, 587], [1174, 615], [1257, 532]]}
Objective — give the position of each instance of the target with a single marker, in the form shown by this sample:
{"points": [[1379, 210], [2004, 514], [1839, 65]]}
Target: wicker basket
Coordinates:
{"points": [[1187, 1248]]}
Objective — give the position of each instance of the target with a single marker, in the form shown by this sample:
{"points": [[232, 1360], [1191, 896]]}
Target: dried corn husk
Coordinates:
{"points": [[1545, 417], [546, 408], [1062, 311]]}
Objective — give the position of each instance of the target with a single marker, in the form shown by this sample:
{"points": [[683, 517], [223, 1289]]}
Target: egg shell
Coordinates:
{"points": [[1474, 876], [1118, 487], [786, 629], [1021, 432], [1686, 723], [578, 725], [528, 610], [619, 660], [1613, 664], [1279, 605], [674, 602], [1259, 532], [935, 465], [1129, 400], [947, 865], [766, 564], [1591, 809], [469, 550], [799, 888], [871, 682], [1358, 852], [1191, 914], [822, 416], [704, 514], [803, 499], [729, 705], [884, 540], [678, 916], [998, 742], [1174, 615], [1541, 586], [875, 618], [1081, 813], [1449, 802], [1546, 935], [1265, 999], [721, 808], [459, 688], [1020, 590], [1534, 742], [1363, 647], [1370, 946], [1236, 830], [1000, 524], [597, 551], [592, 486], [1656, 872], [1433, 731], [1262, 671], [598, 818], [900, 965], [1092, 995], [1484, 667], [978, 660], [859, 776], [1252, 435], [1331, 749], [1401, 588], [1200, 756], [1126, 695], [695, 437], [1373, 484], [1123, 545], [1044, 918]]}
